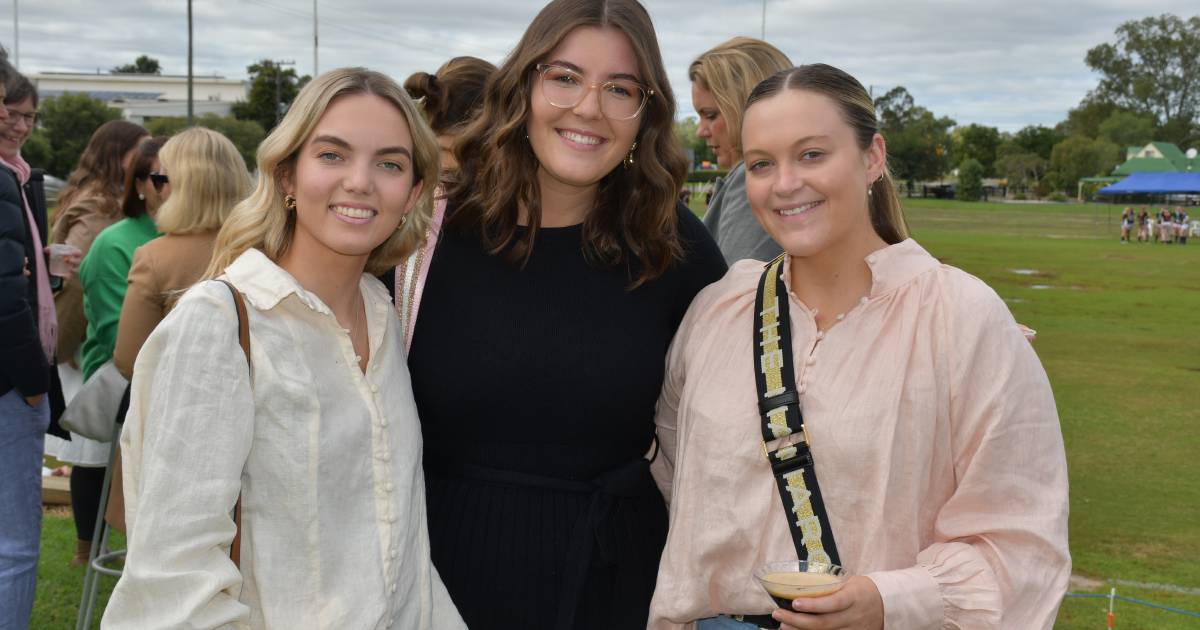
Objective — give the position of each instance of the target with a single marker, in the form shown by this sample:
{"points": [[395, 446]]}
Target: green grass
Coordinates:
{"points": [[59, 585], [1118, 336]]}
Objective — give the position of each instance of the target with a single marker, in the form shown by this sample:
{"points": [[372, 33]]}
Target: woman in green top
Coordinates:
{"points": [[106, 265], [102, 277]]}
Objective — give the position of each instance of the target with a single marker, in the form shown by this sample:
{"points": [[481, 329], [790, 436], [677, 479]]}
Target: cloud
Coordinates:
{"points": [[1006, 64]]}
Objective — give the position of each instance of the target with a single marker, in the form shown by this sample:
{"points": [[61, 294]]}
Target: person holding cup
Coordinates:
{"points": [[855, 403], [27, 337]]}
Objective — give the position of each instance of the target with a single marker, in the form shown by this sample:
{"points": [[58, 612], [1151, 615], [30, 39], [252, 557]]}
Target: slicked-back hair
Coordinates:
{"points": [[634, 221], [857, 109]]}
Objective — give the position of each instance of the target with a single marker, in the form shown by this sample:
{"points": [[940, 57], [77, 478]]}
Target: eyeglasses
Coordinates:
{"points": [[31, 118], [620, 99], [159, 180]]}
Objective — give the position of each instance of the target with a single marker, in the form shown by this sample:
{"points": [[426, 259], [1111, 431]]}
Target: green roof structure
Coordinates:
{"points": [[1146, 165]]}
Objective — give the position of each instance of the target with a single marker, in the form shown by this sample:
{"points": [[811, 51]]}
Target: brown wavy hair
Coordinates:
{"points": [[100, 169], [634, 222], [451, 96], [858, 110]]}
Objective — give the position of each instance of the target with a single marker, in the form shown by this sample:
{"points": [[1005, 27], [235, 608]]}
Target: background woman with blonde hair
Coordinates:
{"points": [[206, 177], [317, 447], [722, 78], [562, 271]]}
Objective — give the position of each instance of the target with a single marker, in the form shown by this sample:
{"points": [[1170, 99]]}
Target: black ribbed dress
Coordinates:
{"points": [[536, 388]]}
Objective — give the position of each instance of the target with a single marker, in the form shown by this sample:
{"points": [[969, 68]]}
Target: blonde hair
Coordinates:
{"points": [[208, 176], [262, 222], [729, 71]]}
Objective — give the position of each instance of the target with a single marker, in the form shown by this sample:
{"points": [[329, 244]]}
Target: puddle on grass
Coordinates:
{"points": [[1025, 272]]}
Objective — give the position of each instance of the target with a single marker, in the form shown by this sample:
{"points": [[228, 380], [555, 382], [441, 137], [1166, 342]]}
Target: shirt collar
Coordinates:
{"points": [[265, 284], [891, 267]]}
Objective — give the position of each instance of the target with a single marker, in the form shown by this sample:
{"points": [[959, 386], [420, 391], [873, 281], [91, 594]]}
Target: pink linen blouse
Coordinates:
{"points": [[936, 440]]}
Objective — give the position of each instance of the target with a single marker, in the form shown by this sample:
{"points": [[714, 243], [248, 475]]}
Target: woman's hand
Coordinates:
{"points": [[856, 606]]}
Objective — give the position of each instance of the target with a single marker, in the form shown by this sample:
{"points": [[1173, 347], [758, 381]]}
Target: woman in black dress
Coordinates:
{"points": [[562, 271]]}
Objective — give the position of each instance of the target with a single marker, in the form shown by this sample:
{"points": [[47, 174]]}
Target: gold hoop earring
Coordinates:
{"points": [[628, 161], [289, 202]]}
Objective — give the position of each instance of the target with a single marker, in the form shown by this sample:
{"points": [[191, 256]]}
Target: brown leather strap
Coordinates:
{"points": [[235, 549]]}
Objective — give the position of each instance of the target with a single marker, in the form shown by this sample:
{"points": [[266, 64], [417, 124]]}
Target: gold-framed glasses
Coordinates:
{"points": [[620, 99]]}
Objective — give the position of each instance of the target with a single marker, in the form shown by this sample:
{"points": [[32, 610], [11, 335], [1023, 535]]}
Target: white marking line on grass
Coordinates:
{"points": [[1080, 582], [1042, 286], [1025, 272], [1158, 586]]}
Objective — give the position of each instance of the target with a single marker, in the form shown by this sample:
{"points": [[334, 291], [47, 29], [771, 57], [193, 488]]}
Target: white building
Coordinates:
{"points": [[142, 97]]}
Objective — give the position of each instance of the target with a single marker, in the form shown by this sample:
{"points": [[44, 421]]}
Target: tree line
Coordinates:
{"points": [[66, 122], [1149, 90]]}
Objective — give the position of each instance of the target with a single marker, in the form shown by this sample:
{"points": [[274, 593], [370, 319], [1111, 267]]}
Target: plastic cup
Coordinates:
{"points": [[64, 259], [787, 580]]}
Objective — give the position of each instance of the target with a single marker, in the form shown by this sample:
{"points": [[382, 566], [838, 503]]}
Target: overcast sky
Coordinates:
{"points": [[1002, 63]]}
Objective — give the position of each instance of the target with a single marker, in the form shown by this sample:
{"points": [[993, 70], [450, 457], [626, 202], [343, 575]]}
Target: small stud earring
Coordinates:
{"points": [[289, 202], [403, 219], [141, 197]]}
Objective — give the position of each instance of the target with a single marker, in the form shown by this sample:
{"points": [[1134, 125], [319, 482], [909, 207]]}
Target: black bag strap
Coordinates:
{"points": [[235, 549], [785, 441]]}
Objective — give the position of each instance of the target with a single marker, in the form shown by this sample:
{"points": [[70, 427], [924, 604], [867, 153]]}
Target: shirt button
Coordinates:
{"points": [[374, 388], [395, 553], [383, 457], [387, 487], [383, 422], [820, 335], [864, 300], [870, 260], [811, 360], [393, 588], [392, 519]]}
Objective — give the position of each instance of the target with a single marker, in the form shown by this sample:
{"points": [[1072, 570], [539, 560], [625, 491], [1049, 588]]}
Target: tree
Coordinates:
{"points": [[245, 134], [919, 143], [144, 64], [970, 181], [69, 121], [1037, 139], [1021, 168], [272, 90], [1128, 129], [980, 143], [37, 151], [1078, 157], [685, 133], [1086, 118], [1153, 68]]}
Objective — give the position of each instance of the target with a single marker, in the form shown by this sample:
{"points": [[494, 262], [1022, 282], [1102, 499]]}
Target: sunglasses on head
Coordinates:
{"points": [[159, 180]]}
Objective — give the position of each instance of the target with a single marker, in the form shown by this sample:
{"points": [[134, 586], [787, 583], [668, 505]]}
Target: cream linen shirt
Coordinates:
{"points": [[327, 460], [936, 441]]}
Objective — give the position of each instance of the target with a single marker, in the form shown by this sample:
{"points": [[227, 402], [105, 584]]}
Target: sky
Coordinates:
{"points": [[1000, 63]]}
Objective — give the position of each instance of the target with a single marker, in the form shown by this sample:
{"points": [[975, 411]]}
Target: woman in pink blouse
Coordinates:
{"points": [[930, 419]]}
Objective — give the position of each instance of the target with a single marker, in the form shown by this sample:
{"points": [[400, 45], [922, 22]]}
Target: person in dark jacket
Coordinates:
{"points": [[26, 349]]}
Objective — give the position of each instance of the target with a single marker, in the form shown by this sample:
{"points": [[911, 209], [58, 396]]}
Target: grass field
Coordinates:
{"points": [[1119, 333]]}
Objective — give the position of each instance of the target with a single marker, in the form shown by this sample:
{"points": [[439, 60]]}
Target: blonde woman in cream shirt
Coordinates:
{"points": [[321, 444]]}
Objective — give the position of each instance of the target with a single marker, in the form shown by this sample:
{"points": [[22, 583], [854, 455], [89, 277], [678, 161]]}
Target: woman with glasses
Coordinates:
{"points": [[205, 176], [562, 272]]}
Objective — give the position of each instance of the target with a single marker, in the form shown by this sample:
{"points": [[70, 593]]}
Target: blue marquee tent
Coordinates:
{"points": [[1155, 184]]}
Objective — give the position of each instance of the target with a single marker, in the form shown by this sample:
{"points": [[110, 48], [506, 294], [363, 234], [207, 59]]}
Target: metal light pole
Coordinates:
{"points": [[191, 115], [278, 82], [316, 68], [764, 21], [16, 35]]}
